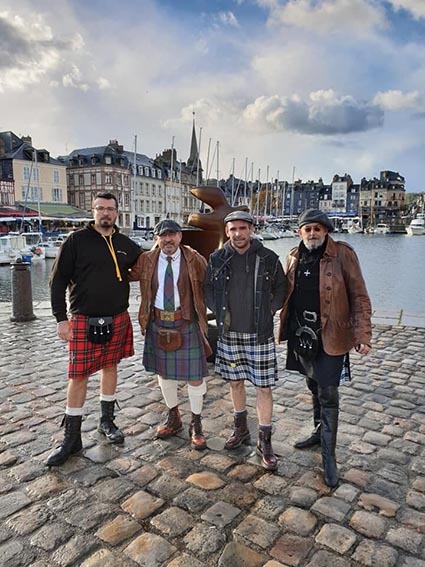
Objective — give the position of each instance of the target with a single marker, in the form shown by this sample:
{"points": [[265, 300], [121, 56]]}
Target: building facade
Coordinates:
{"points": [[37, 178]]}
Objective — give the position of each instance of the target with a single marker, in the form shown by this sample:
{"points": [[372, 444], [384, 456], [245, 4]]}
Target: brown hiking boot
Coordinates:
{"points": [[240, 434], [171, 426], [197, 439], [265, 450]]}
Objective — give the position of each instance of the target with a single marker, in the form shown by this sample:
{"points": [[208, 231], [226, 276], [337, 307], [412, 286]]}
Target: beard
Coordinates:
{"points": [[314, 244]]}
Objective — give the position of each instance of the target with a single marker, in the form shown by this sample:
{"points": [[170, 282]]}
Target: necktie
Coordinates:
{"points": [[169, 287]]}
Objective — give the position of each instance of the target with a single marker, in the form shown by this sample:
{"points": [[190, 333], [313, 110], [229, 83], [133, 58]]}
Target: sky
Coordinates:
{"points": [[295, 88]]}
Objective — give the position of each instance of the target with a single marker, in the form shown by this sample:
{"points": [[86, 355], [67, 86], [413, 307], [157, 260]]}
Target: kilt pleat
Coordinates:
{"points": [[239, 357], [187, 363], [86, 358]]}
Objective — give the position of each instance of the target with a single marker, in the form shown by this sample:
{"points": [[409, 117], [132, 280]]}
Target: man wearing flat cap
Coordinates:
{"points": [[244, 287], [326, 314], [173, 319]]}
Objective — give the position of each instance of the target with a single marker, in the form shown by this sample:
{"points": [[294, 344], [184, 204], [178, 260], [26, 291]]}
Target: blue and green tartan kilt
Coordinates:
{"points": [[187, 363], [240, 357]]}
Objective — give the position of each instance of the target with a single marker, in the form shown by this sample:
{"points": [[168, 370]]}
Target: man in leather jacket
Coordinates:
{"points": [[244, 287], [326, 314]]}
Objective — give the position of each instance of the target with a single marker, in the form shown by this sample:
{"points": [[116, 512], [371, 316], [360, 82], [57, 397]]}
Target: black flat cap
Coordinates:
{"points": [[314, 215], [166, 225], [239, 215]]}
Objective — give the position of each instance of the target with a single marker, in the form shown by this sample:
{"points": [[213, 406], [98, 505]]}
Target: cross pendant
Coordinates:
{"points": [[307, 273]]}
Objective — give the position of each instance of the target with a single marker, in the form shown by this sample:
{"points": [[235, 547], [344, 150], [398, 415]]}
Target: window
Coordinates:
{"points": [[108, 179], [32, 194], [81, 180], [159, 173], [153, 172], [147, 171], [93, 179], [108, 160], [55, 176], [26, 173], [56, 195], [93, 161]]}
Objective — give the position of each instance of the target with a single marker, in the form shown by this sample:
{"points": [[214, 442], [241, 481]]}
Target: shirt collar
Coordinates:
{"points": [[175, 256]]}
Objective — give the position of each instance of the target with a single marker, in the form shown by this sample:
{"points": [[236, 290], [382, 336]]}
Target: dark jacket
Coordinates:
{"points": [[270, 287], [345, 308], [85, 265]]}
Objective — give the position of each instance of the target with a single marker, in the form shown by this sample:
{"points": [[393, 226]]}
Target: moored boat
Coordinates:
{"points": [[416, 226], [382, 228]]}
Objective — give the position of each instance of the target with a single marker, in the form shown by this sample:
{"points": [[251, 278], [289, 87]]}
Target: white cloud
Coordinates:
{"points": [[344, 17], [415, 7], [397, 100], [228, 19], [74, 79], [324, 113]]}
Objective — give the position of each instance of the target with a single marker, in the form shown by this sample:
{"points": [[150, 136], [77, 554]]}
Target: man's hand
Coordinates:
{"points": [[64, 331], [363, 349]]}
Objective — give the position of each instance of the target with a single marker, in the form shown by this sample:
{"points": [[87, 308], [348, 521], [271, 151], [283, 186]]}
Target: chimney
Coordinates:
{"points": [[27, 139]]}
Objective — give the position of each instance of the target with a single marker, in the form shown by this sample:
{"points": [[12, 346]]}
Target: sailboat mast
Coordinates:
{"points": [[133, 215], [37, 178]]}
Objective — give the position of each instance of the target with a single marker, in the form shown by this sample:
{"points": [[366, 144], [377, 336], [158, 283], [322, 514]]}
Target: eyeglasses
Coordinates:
{"points": [[100, 209]]}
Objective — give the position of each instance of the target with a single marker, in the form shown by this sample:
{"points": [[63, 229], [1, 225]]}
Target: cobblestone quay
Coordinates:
{"points": [[157, 503]]}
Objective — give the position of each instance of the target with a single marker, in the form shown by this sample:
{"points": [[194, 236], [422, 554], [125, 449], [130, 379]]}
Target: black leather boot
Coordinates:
{"points": [[71, 443], [240, 434], [265, 450], [329, 402], [314, 438], [107, 426]]}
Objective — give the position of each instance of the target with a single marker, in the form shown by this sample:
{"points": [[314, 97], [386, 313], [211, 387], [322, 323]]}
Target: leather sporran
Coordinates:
{"points": [[306, 342], [169, 339], [100, 329]]}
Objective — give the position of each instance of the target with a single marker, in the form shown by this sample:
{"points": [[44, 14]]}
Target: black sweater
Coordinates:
{"points": [[85, 266]]}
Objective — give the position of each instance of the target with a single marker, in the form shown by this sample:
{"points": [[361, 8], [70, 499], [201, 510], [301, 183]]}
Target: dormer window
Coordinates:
{"points": [[93, 160], [81, 161], [153, 172], [147, 171], [159, 173], [108, 160]]}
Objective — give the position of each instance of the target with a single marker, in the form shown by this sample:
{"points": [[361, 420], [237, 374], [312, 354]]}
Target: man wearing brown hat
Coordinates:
{"points": [[173, 319], [245, 286], [326, 314]]}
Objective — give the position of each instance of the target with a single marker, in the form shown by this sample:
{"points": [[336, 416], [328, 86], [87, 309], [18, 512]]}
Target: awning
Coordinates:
{"points": [[57, 211]]}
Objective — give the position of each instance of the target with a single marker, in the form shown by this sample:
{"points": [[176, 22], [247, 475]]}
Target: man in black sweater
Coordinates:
{"points": [[93, 265]]}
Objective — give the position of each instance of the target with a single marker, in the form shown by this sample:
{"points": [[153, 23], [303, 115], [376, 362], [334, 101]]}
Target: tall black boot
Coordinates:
{"points": [[314, 438], [329, 402], [107, 426], [71, 443]]}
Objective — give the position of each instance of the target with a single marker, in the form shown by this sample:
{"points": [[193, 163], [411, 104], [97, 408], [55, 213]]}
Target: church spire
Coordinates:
{"points": [[194, 162], [194, 155]]}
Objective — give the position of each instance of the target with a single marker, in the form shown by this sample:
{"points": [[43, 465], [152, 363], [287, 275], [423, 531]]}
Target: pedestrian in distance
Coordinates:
{"points": [[173, 320], [245, 286], [326, 314], [93, 265]]}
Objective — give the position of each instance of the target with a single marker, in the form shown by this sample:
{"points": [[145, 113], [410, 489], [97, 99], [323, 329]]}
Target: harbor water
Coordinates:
{"points": [[393, 267]]}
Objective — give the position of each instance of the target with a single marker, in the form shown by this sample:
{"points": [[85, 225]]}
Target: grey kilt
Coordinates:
{"points": [[240, 357]]}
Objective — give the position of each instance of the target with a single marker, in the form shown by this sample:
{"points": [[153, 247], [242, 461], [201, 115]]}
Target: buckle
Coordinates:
{"points": [[166, 315]]}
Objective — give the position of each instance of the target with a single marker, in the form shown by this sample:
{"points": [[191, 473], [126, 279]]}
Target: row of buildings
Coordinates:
{"points": [[35, 185]]}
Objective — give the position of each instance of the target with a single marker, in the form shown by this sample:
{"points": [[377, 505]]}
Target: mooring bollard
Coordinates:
{"points": [[22, 309]]}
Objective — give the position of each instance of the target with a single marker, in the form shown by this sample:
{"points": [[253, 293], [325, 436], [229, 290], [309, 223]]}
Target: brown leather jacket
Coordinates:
{"points": [[345, 307], [145, 271]]}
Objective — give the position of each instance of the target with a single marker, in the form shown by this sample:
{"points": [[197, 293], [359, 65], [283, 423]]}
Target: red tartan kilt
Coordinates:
{"points": [[86, 358]]}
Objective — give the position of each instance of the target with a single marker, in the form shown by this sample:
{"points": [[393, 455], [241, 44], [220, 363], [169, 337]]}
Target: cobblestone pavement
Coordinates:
{"points": [[157, 503]]}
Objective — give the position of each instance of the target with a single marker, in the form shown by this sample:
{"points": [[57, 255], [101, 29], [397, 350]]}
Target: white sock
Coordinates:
{"points": [[169, 392], [196, 397], [107, 398], [74, 411]]}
